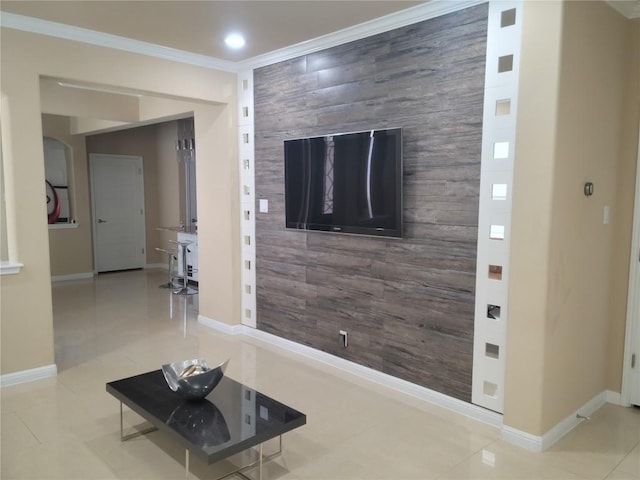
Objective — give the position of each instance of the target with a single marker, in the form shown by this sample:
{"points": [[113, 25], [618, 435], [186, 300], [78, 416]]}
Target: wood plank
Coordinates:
{"points": [[408, 304]]}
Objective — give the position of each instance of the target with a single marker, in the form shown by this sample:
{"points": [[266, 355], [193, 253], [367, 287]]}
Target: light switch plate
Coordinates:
{"points": [[607, 214], [264, 205]]}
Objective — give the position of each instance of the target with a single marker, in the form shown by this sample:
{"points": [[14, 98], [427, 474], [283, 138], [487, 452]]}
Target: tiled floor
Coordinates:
{"points": [[121, 324]]}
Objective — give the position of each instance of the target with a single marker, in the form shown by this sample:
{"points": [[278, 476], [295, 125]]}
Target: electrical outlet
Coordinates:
{"points": [[344, 336]]}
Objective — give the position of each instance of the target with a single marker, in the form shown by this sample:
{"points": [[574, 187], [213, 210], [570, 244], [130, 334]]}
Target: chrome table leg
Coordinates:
{"points": [[124, 438]]}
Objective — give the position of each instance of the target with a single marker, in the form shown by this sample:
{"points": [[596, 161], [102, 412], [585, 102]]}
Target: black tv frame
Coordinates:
{"points": [[396, 232]]}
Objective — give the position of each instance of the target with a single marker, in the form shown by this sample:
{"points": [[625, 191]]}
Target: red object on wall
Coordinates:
{"points": [[53, 203]]}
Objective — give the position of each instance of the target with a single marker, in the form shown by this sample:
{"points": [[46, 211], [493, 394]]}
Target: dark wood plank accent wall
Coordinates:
{"points": [[407, 304]]}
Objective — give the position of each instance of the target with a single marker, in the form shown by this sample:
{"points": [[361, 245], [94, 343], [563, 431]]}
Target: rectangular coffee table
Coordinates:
{"points": [[231, 419]]}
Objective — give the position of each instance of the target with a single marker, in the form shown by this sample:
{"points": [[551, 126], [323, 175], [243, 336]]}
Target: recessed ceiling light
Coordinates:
{"points": [[234, 40]]}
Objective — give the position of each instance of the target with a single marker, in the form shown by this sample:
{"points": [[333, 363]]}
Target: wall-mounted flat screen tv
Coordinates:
{"points": [[348, 183]]}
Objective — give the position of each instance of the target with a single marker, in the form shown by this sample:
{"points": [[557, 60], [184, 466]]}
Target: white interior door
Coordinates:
{"points": [[117, 194], [631, 368]]}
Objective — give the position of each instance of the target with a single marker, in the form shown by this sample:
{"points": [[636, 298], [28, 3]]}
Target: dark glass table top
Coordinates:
{"points": [[232, 418]]}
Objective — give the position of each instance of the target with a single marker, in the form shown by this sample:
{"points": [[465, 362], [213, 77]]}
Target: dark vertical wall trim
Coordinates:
{"points": [[407, 304]]}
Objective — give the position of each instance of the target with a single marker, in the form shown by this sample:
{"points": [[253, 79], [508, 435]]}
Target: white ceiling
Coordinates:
{"points": [[200, 26]]}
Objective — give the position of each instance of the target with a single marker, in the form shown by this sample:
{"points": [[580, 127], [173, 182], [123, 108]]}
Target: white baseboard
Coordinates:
{"points": [[220, 326], [521, 439], [445, 401], [72, 276], [464, 408], [572, 421], [509, 434], [30, 375], [537, 443], [615, 398]]}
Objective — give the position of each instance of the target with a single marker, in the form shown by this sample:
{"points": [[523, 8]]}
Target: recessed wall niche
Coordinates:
{"points": [[497, 232], [500, 150], [505, 63], [492, 351], [493, 312], [495, 272], [508, 18], [499, 191], [503, 107]]}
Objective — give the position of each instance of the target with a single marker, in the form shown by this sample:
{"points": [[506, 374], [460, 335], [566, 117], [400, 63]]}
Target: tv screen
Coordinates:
{"points": [[348, 183]]}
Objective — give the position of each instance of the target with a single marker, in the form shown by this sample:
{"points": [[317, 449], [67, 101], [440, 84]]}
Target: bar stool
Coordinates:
{"points": [[185, 289], [171, 257]]}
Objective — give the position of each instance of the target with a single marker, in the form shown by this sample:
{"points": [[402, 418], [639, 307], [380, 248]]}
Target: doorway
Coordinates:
{"points": [[631, 368], [117, 199]]}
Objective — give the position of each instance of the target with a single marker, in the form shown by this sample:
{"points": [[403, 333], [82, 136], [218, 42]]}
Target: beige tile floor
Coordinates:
{"points": [[121, 324]]}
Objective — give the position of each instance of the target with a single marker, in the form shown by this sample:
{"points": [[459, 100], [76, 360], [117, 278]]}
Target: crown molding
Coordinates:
{"points": [[77, 34], [409, 16], [628, 8], [419, 13]]}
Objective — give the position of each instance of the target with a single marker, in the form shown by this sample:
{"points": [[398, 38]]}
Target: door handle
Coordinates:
{"points": [[101, 221]]}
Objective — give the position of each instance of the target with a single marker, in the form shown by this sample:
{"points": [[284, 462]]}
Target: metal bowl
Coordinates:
{"points": [[192, 378]]}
